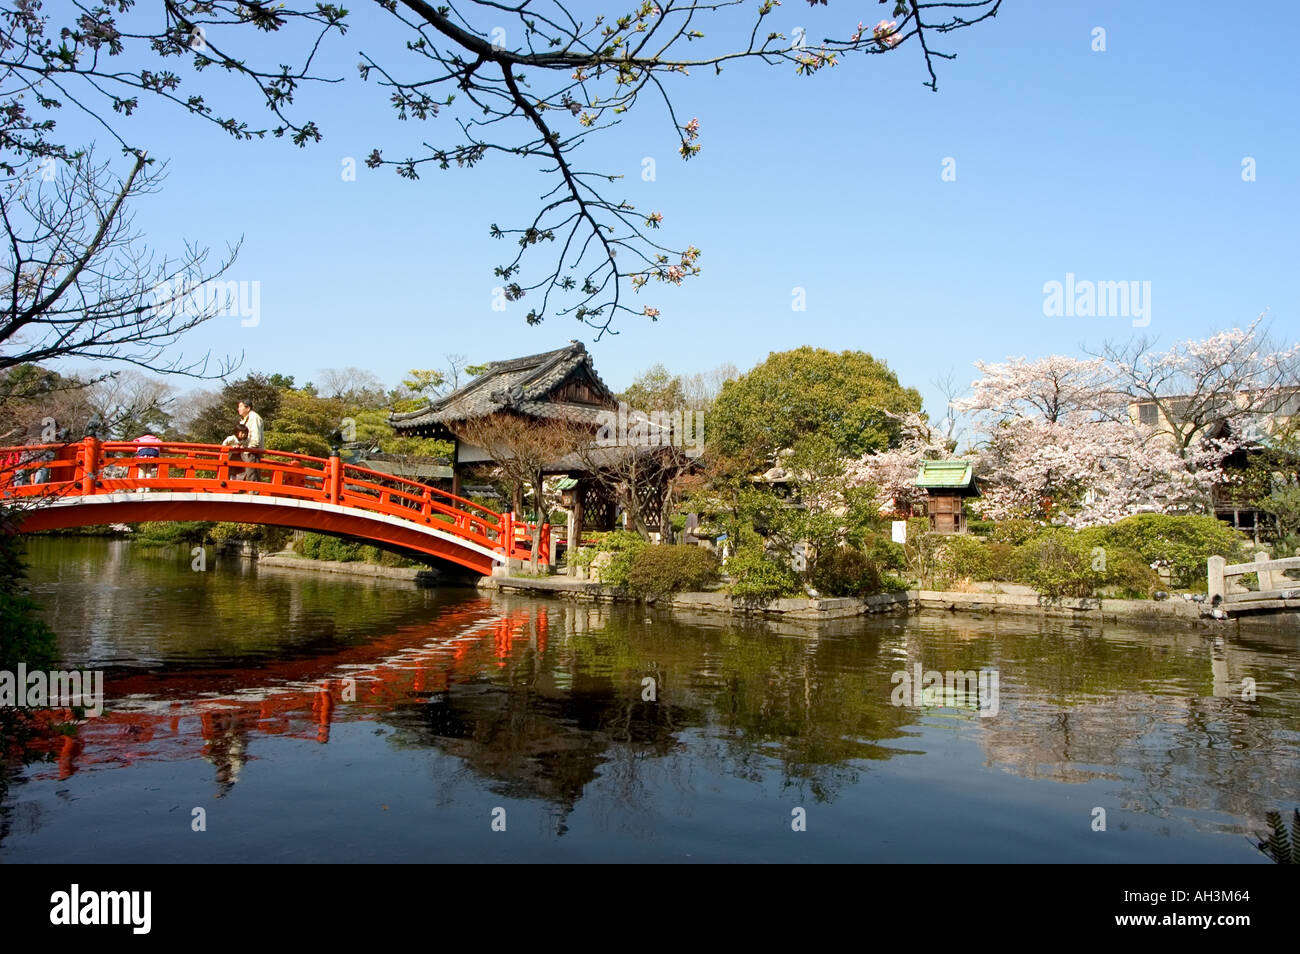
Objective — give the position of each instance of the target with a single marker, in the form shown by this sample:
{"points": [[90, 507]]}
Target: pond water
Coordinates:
{"points": [[308, 717]]}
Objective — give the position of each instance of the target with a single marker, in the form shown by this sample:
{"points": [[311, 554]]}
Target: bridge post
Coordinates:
{"points": [[89, 464], [507, 531], [1215, 583], [335, 478], [1265, 575]]}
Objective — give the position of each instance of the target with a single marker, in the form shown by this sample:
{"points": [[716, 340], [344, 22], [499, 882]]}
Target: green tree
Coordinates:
{"points": [[654, 389], [305, 423], [217, 419], [847, 397], [23, 636], [29, 393], [372, 426], [1271, 481], [423, 383]]}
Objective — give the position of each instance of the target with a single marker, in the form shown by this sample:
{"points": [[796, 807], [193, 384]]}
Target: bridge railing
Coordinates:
{"points": [[1273, 584], [33, 473]]}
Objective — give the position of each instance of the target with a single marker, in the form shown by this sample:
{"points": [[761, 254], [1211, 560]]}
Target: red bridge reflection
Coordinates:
{"points": [[213, 714]]}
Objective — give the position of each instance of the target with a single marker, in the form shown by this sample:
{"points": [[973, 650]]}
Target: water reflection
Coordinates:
{"points": [[546, 702]]}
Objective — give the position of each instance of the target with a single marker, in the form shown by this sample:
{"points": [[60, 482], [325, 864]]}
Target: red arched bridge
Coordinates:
{"points": [[93, 482]]}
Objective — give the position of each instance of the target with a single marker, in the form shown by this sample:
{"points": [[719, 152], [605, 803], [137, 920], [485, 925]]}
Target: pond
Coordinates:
{"points": [[260, 714]]}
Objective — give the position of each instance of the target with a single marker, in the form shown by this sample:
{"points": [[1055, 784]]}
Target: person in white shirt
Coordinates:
{"points": [[253, 421]]}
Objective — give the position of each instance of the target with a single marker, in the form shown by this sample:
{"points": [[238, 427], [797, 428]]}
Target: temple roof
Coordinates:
{"points": [[522, 385], [598, 458]]}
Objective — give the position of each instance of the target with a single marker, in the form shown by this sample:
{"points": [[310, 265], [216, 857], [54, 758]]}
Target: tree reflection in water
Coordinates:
{"points": [[542, 701]]}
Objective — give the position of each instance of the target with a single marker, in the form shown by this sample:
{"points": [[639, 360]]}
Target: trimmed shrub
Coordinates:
{"points": [[884, 552], [1001, 562], [1128, 576], [658, 571], [756, 576], [318, 546], [1057, 564], [622, 547], [892, 584], [164, 533], [347, 551], [267, 538], [845, 571], [1185, 542], [964, 558], [1015, 532], [389, 558]]}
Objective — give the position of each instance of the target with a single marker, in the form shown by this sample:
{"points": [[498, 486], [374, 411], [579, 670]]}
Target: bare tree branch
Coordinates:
{"points": [[78, 281], [531, 79]]}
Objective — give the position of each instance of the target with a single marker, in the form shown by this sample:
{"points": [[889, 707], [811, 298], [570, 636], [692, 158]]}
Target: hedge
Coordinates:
{"points": [[662, 570]]}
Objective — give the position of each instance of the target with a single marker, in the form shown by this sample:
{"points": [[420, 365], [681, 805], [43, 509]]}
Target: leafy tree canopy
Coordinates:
{"points": [[847, 397], [655, 389], [218, 419]]}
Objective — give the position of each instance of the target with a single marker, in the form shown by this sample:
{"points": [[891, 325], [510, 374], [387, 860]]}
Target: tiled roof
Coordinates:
{"points": [[608, 457], [403, 465], [520, 384]]}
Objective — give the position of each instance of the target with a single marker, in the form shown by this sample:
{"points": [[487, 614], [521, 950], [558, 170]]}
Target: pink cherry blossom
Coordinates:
{"points": [[886, 32]]}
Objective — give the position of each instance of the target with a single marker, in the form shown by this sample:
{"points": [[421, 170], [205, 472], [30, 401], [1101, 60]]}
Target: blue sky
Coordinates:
{"points": [[1122, 165]]}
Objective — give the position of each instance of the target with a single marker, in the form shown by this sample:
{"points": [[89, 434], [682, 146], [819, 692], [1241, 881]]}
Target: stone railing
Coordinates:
{"points": [[1273, 585]]}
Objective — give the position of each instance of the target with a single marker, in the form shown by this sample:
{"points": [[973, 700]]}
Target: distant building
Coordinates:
{"points": [[1178, 414]]}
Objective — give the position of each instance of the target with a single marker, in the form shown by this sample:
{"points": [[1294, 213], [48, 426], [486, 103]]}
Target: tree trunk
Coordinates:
{"points": [[638, 522]]}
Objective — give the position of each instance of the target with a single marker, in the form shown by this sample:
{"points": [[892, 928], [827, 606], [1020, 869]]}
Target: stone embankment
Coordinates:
{"points": [[1002, 599]]}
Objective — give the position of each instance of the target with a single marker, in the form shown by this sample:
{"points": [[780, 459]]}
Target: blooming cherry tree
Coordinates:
{"points": [[1065, 445], [893, 472], [1086, 472]]}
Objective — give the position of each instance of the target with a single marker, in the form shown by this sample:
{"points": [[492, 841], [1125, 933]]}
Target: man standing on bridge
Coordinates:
{"points": [[255, 442]]}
